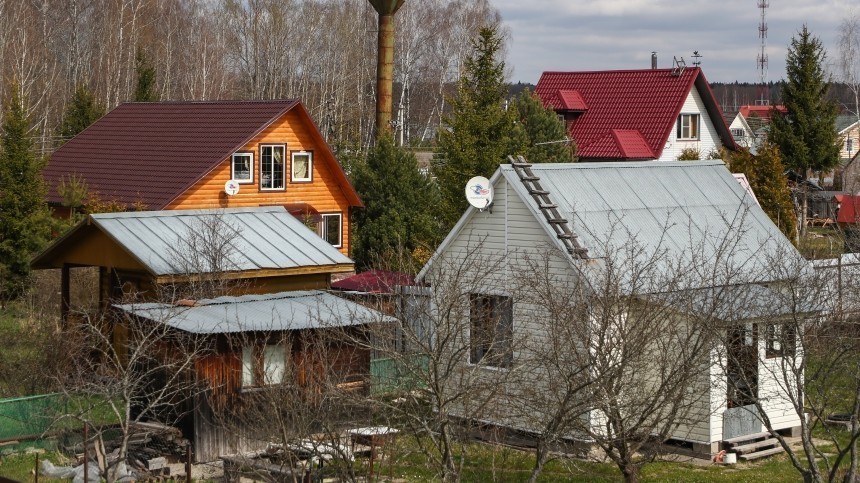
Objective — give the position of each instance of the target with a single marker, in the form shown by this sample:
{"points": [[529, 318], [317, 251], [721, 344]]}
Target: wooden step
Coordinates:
{"points": [[761, 454], [747, 437], [752, 447]]}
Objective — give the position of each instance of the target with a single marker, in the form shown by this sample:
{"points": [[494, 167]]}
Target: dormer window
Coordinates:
{"points": [[243, 167], [688, 127]]}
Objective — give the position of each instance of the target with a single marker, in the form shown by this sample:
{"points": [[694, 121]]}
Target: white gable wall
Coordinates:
{"points": [[708, 140]]}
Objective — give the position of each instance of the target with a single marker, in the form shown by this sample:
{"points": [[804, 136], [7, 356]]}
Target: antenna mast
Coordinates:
{"points": [[761, 60]]}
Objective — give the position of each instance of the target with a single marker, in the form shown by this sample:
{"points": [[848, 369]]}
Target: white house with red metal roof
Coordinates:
{"points": [[629, 115]]}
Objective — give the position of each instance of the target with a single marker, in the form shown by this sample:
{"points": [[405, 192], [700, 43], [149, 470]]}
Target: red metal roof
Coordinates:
{"points": [[153, 152], [623, 102], [374, 281], [763, 112]]}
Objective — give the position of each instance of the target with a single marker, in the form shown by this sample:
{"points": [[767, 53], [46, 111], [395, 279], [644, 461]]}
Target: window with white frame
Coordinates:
{"points": [[490, 330], [780, 340], [263, 366], [272, 167], [688, 126], [330, 228], [242, 167], [302, 166]]}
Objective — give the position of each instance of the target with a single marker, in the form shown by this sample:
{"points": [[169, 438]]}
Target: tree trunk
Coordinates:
{"points": [[804, 206], [540, 459]]}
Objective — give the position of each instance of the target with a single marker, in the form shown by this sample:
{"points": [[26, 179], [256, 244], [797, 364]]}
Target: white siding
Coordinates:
{"points": [[708, 138]]}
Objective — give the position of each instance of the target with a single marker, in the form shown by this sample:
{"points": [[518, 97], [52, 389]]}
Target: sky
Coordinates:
{"points": [[573, 35]]}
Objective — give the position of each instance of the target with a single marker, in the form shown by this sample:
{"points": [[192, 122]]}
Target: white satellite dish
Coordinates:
{"points": [[231, 187], [479, 192]]}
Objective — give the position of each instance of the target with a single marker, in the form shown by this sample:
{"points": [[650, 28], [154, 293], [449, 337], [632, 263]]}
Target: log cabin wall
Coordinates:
{"points": [[322, 192]]}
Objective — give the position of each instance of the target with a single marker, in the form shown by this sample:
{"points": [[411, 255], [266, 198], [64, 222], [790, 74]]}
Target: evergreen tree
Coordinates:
{"points": [[806, 135], [25, 223], [764, 171], [82, 111], [480, 131], [541, 130], [145, 90], [397, 203]]}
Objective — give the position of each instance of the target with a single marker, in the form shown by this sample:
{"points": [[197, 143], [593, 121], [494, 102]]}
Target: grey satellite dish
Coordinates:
{"points": [[479, 192]]}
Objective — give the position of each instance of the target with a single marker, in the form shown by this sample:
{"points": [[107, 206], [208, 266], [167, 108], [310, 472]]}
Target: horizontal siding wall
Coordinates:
{"points": [[708, 137], [323, 193]]}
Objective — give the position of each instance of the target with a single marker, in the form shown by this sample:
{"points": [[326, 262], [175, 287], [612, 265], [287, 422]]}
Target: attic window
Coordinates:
{"points": [[302, 166], [243, 167], [688, 127]]}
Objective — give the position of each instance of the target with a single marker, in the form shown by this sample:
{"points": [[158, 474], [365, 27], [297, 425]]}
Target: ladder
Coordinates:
{"points": [[549, 209]]}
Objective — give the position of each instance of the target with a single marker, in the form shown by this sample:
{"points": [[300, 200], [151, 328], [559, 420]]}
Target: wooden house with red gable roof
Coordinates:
{"points": [[180, 155], [628, 115]]}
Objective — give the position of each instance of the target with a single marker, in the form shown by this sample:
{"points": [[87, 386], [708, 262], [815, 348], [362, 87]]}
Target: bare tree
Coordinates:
{"points": [[848, 59]]}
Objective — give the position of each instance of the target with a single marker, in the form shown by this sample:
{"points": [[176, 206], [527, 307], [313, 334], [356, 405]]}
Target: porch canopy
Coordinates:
{"points": [[295, 310]]}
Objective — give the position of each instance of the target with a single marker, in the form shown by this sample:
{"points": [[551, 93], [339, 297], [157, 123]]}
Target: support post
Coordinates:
{"points": [[65, 295]]}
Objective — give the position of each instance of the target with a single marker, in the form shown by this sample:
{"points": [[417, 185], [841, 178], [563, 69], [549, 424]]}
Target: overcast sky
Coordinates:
{"points": [[568, 35]]}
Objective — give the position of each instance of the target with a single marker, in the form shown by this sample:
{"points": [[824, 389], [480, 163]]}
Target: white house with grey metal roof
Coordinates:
{"points": [[682, 239]]}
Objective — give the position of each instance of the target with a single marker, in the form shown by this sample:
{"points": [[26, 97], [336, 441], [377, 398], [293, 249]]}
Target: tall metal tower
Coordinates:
{"points": [[764, 92]]}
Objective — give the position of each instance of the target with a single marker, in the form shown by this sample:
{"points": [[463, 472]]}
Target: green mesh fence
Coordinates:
{"points": [[397, 374], [29, 416]]}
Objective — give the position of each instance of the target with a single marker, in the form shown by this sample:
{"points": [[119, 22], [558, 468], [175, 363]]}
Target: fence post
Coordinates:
{"points": [[36, 473], [188, 462], [86, 456]]}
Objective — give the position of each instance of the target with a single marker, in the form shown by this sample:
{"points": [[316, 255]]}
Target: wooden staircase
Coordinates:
{"points": [[753, 446], [549, 209]]}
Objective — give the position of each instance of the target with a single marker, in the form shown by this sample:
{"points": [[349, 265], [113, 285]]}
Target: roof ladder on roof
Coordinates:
{"points": [[547, 207]]}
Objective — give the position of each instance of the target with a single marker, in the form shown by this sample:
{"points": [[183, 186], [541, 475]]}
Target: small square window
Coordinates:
{"points": [[302, 166], [263, 366], [688, 127], [330, 228], [780, 340], [490, 330], [242, 167]]}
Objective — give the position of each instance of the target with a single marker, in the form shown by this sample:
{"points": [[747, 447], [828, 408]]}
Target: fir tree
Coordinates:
{"points": [[480, 131], [541, 130], [82, 111], [806, 135], [25, 223], [397, 203], [145, 89], [764, 171]]}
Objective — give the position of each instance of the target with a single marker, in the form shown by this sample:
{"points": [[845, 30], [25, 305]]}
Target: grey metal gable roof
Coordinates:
{"points": [[304, 309], [676, 208], [259, 238]]}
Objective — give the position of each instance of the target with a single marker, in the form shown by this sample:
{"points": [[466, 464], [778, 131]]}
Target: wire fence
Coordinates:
{"points": [[30, 416]]}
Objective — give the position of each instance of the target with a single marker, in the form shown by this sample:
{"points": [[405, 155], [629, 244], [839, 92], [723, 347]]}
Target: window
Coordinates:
{"points": [[302, 166], [243, 167], [272, 167], [263, 366], [780, 340], [738, 133], [688, 126], [491, 330], [330, 228]]}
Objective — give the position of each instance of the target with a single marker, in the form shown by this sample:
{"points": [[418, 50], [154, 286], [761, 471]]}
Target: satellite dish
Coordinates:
{"points": [[479, 192], [231, 187]]}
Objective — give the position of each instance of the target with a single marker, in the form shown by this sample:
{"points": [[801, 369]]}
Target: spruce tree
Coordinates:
{"points": [[25, 223], [806, 134], [145, 88], [480, 131], [764, 171], [541, 130], [397, 204], [82, 111]]}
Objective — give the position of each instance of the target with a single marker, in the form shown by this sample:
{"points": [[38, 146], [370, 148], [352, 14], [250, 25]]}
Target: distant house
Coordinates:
{"points": [[179, 155], [673, 208], [631, 115], [849, 131], [279, 272]]}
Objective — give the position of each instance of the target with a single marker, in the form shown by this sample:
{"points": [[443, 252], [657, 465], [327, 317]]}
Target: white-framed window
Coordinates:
{"points": [[242, 167], [780, 340], [688, 126], [330, 228], [272, 172], [263, 366], [302, 166], [491, 330]]}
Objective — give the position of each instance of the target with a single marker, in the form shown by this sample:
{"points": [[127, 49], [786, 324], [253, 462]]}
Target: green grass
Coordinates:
{"points": [[20, 467], [821, 243]]}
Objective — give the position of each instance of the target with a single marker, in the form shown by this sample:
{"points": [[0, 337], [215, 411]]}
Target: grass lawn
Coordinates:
{"points": [[20, 467], [821, 243]]}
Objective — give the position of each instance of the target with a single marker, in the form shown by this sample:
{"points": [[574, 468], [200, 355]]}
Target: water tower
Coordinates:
{"points": [[385, 61]]}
